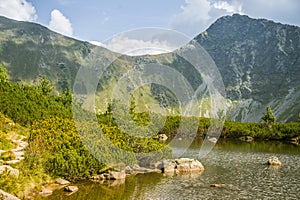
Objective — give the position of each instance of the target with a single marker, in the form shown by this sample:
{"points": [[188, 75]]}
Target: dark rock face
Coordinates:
{"points": [[258, 60]]}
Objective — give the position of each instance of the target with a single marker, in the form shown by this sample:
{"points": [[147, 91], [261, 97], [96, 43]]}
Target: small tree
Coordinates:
{"points": [[45, 85], [269, 117]]}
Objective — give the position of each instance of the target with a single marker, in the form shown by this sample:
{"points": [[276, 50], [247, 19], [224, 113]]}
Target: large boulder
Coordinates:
{"points": [[182, 165], [188, 165]]}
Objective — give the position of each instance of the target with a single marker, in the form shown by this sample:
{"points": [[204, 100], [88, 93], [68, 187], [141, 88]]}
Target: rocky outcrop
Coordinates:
{"points": [[274, 161], [258, 62]]}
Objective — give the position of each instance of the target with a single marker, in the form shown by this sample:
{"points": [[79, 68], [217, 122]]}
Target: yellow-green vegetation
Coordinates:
{"points": [[55, 145]]}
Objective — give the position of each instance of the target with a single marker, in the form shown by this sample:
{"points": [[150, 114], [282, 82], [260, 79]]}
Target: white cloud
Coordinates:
{"points": [[60, 23], [235, 7], [18, 9], [97, 43], [197, 15], [134, 47]]}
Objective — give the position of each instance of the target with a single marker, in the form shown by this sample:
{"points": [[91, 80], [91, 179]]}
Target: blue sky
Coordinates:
{"points": [[98, 20]]}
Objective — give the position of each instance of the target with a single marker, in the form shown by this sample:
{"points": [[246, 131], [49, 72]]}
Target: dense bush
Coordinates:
{"points": [[25, 104], [55, 145]]}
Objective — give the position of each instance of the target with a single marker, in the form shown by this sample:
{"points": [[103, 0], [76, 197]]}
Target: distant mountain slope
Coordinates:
{"points": [[259, 62], [29, 50]]}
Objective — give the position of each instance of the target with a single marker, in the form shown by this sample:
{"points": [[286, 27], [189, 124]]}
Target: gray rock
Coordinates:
{"points": [[117, 175], [162, 137], [71, 188], [246, 138], [274, 161], [61, 181], [12, 171], [182, 165], [188, 165], [45, 192], [168, 166], [7, 196], [128, 170], [98, 177], [142, 170], [213, 140]]}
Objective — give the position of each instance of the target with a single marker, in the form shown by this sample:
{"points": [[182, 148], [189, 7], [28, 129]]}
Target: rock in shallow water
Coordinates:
{"points": [[182, 165], [71, 188], [274, 161]]}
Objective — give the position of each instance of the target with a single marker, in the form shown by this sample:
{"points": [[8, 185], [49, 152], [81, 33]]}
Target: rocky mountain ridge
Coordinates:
{"points": [[257, 58]]}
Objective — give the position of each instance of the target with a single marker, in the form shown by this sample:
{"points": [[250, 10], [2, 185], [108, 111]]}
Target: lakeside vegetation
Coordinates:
{"points": [[56, 149]]}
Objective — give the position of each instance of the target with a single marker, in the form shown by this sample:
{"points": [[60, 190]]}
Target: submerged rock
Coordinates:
{"points": [[274, 161]]}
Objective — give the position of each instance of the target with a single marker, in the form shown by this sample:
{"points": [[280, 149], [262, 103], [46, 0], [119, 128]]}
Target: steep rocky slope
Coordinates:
{"points": [[259, 62]]}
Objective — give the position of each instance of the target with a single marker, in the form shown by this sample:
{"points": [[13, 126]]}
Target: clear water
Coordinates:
{"points": [[238, 164]]}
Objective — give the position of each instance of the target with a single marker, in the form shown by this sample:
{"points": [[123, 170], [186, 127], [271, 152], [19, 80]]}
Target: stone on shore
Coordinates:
{"points": [[61, 181]]}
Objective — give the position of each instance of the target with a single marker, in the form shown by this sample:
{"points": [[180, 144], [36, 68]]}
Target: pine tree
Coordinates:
{"points": [[269, 117]]}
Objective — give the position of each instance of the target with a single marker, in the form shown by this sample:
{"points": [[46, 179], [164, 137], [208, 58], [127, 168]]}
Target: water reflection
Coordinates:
{"points": [[240, 165]]}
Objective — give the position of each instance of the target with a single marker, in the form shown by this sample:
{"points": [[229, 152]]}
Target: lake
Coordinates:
{"points": [[239, 165]]}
